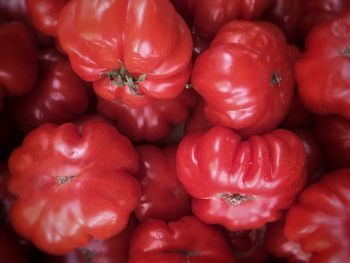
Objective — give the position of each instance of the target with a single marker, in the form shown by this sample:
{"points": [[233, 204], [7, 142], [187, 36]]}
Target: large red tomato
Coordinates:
{"points": [[59, 96], [151, 122], [112, 250], [72, 183], [319, 222], [187, 240], [133, 50], [245, 77], [241, 184], [44, 14], [323, 73], [163, 196], [18, 63], [334, 134]]}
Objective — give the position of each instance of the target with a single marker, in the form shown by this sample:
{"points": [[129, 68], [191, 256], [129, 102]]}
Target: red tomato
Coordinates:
{"points": [[314, 155], [152, 122], [18, 63], [241, 184], [208, 16], [59, 96], [113, 250], [245, 77], [72, 184], [9, 249], [322, 73], [279, 246], [132, 50], [334, 134], [14, 10], [287, 14], [319, 11], [187, 240], [44, 14], [248, 245], [320, 220], [163, 196]]}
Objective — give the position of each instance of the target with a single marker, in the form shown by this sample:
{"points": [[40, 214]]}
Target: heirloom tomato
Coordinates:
{"points": [[18, 63], [323, 73], [241, 184], [245, 77], [133, 50], [319, 222], [187, 240], [163, 196], [72, 183], [58, 97], [44, 14], [151, 122]]}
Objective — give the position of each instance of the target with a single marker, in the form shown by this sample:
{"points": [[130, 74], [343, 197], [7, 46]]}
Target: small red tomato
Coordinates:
{"points": [[187, 240], [241, 184], [59, 96], [163, 196], [279, 246], [319, 222], [18, 63], [334, 134], [133, 50], [44, 14], [245, 77], [112, 250], [151, 122], [322, 73], [72, 184]]}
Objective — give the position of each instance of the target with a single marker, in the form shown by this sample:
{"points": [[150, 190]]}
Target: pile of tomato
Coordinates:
{"points": [[168, 131]]}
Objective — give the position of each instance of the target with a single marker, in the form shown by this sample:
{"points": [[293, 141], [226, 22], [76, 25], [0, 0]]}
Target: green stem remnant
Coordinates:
{"points": [[88, 254], [121, 77]]}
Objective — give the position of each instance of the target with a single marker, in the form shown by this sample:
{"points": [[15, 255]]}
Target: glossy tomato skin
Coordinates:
{"points": [[79, 176], [18, 64], [320, 220], [112, 250], [186, 240], [163, 196], [59, 96], [208, 16], [241, 184], [246, 85], [319, 11], [44, 14], [334, 135], [279, 246], [146, 37], [151, 122], [321, 73]]}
